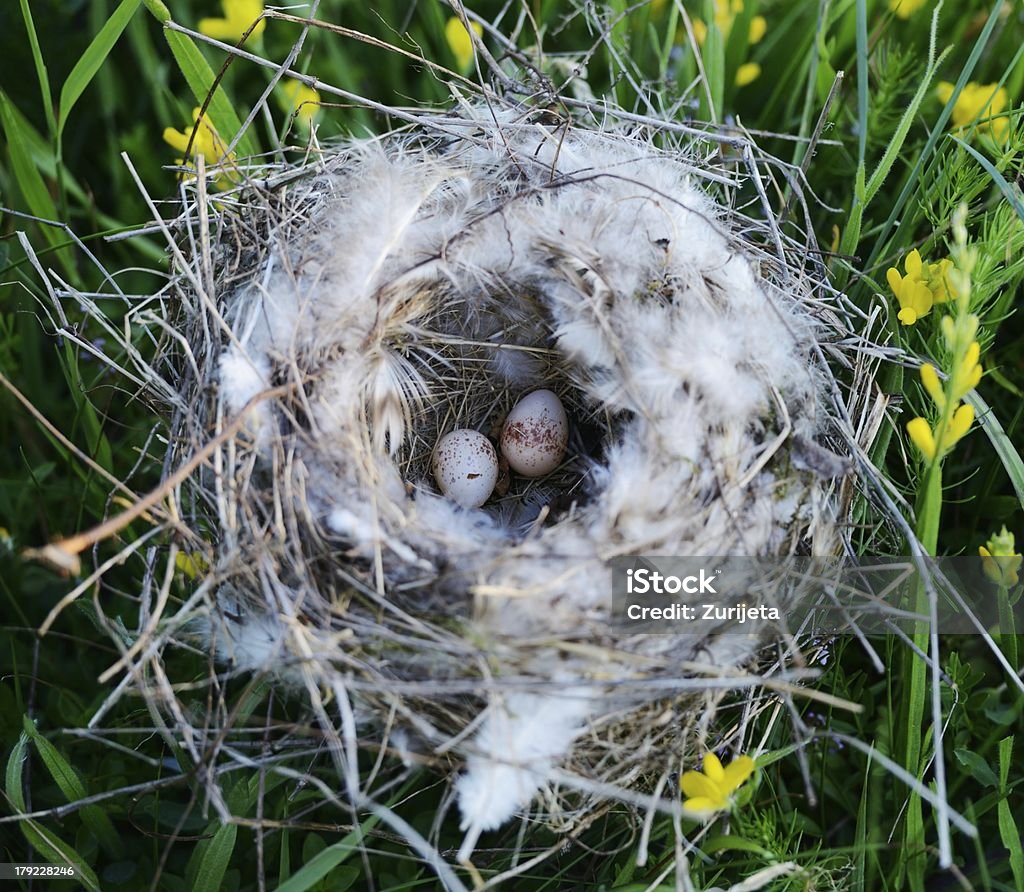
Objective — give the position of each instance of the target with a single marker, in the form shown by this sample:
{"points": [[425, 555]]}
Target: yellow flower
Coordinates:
{"points": [[999, 558], [460, 42], [238, 18], [712, 791], [302, 101], [904, 9], [912, 291], [937, 280], [937, 277], [924, 438], [206, 142], [726, 12], [986, 101]]}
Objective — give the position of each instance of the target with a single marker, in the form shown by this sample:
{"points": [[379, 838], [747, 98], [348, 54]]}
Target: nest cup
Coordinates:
{"points": [[479, 354], [357, 308]]}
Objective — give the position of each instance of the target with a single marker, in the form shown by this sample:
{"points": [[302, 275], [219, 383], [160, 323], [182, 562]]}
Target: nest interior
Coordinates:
{"points": [[476, 357]]}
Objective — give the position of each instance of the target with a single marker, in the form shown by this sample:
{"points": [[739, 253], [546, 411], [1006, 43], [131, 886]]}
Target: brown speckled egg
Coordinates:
{"points": [[535, 434], [465, 467]]}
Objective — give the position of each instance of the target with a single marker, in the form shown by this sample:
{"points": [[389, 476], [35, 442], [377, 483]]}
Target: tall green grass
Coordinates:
{"points": [[83, 82]]}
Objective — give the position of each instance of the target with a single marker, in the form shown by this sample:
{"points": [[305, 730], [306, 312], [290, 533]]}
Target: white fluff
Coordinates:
{"points": [[523, 737], [243, 377]]}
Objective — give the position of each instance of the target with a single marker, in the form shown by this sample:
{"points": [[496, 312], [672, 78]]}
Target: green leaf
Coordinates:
{"points": [[998, 712], [862, 82], [91, 60], [56, 851], [62, 773], [861, 835], [322, 864], [284, 867], [12, 777], [52, 848], [73, 789], [731, 843], [201, 79], [978, 768], [215, 858], [159, 11], [1009, 832]]}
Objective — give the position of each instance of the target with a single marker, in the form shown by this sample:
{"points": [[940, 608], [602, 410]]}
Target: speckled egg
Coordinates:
{"points": [[465, 467], [535, 434]]}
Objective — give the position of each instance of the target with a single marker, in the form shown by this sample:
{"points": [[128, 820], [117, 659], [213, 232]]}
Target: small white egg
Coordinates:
{"points": [[465, 467], [535, 434]]}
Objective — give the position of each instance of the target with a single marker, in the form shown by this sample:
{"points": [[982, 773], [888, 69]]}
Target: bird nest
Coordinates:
{"points": [[330, 321], [423, 282]]}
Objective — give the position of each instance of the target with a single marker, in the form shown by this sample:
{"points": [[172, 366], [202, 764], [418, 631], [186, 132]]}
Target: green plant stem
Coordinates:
{"points": [[1007, 627], [929, 512]]}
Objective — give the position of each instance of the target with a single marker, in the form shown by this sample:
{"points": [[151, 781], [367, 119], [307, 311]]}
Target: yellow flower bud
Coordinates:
{"points": [[1000, 559], [747, 73], [930, 379], [922, 437], [959, 425]]}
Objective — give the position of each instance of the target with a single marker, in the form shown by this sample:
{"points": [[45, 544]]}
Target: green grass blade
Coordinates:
{"points": [[323, 863], [1009, 193], [284, 867], [1003, 445], [30, 181], [860, 865], [91, 60], [73, 789], [95, 438], [41, 72], [862, 81], [201, 79], [933, 139], [713, 53], [730, 843], [892, 150]]}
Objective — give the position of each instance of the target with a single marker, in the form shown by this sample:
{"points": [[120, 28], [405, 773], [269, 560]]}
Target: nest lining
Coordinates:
{"points": [[473, 372]]}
